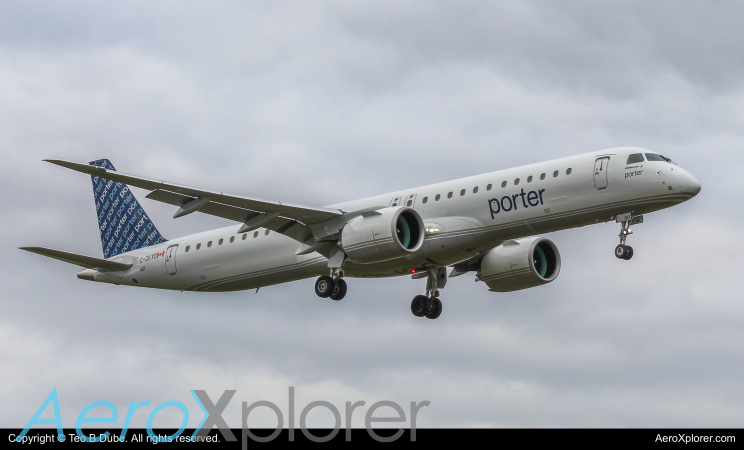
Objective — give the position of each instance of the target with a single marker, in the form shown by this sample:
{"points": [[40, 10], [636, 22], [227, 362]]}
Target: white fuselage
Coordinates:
{"points": [[472, 215]]}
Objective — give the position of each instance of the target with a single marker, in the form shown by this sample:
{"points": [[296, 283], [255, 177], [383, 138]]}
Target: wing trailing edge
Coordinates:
{"points": [[186, 194]]}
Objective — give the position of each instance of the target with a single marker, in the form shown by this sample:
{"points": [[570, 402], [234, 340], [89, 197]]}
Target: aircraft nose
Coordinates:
{"points": [[692, 183]]}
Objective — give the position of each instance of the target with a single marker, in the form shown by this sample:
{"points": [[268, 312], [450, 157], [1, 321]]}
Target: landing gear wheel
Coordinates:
{"points": [[324, 286], [621, 251], [419, 305], [339, 290], [628, 252], [435, 309]]}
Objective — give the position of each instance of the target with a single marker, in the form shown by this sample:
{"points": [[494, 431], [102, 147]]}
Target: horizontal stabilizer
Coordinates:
{"points": [[79, 260]]}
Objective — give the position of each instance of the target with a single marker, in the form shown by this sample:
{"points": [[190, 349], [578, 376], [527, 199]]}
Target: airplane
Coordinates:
{"points": [[487, 224]]}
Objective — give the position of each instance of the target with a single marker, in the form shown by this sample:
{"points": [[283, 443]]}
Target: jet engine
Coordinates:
{"points": [[382, 234], [520, 264]]}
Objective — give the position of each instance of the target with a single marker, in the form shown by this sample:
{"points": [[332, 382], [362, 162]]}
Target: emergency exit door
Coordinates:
{"points": [[600, 172], [410, 200]]}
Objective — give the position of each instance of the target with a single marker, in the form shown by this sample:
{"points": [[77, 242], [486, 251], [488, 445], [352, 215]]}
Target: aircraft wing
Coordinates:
{"points": [[101, 265], [283, 225], [281, 217]]}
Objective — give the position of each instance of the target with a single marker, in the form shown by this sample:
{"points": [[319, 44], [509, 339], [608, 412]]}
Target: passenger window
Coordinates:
{"points": [[529, 179], [555, 174], [426, 199], [475, 190], [255, 235], [198, 246], [488, 188], [516, 181], [245, 235], [267, 232], [410, 202], [188, 247], [221, 241], [568, 171], [503, 184], [542, 176], [635, 158], [462, 192], [436, 199], [232, 239], [449, 195], [209, 244]]}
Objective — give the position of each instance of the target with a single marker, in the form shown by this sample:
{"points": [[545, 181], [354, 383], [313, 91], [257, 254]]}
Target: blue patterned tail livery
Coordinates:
{"points": [[123, 223]]}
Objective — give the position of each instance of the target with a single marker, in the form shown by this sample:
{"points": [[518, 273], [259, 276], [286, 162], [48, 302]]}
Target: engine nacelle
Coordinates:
{"points": [[521, 264], [383, 234]]}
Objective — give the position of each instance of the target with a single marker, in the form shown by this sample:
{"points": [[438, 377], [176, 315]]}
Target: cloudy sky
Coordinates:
{"points": [[322, 102]]}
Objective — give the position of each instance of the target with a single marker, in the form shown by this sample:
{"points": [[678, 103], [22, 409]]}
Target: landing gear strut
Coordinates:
{"points": [[333, 286], [623, 251], [429, 305]]}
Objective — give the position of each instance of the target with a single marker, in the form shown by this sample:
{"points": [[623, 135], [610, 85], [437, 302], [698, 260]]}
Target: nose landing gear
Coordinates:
{"points": [[623, 251]]}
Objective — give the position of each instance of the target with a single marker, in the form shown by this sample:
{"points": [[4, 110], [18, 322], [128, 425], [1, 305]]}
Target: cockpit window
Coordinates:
{"points": [[655, 157], [635, 158]]}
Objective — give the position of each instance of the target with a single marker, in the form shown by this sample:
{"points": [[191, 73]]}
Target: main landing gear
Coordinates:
{"points": [[423, 306], [429, 305], [333, 286], [623, 251]]}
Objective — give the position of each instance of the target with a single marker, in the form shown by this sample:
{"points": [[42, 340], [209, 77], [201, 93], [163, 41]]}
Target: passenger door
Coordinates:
{"points": [[170, 259], [600, 172]]}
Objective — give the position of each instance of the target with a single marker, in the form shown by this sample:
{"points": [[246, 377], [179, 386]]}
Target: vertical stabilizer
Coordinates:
{"points": [[123, 224]]}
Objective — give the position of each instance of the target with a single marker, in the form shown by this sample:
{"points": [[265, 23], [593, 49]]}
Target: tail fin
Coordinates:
{"points": [[123, 223]]}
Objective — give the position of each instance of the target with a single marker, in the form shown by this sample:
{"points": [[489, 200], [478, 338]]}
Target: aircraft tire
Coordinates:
{"points": [[435, 310], [620, 251], [339, 290], [419, 305], [324, 286], [628, 252]]}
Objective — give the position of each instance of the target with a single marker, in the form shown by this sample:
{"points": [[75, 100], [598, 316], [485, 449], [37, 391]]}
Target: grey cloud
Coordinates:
{"points": [[617, 49]]}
